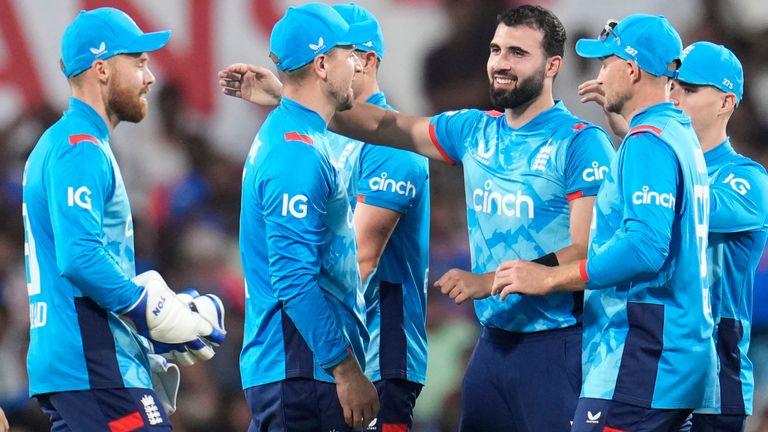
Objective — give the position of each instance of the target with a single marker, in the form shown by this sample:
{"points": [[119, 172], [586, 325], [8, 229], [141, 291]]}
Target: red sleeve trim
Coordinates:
{"points": [[644, 128], [129, 423], [610, 429], [294, 136], [78, 138], [579, 126], [574, 195], [433, 137], [361, 198], [583, 270], [494, 113]]}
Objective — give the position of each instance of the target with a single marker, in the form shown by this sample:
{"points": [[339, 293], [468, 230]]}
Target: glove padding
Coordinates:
{"points": [[187, 354], [162, 316], [165, 381]]}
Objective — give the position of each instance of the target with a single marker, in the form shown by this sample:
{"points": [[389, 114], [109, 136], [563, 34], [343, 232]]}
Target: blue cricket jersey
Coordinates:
{"points": [[396, 295], [304, 300], [79, 261], [738, 228], [647, 319], [518, 183]]}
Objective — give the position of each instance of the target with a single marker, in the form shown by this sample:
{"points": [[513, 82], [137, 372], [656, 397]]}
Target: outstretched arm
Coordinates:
{"points": [[365, 122]]}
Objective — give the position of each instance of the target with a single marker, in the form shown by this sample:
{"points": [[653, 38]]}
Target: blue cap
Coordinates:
{"points": [[649, 40], [705, 63], [99, 34], [305, 32], [365, 31]]}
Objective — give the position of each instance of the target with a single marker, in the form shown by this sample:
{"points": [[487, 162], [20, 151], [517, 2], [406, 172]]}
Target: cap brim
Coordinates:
{"points": [[149, 42], [592, 48]]}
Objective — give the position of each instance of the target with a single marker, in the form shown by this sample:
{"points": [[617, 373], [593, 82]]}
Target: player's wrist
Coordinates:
{"points": [[347, 369]]}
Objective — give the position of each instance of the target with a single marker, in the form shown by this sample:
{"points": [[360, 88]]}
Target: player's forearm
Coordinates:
{"points": [[375, 125], [571, 253], [567, 277], [93, 271]]}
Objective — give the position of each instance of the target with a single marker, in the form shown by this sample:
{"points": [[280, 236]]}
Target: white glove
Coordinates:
{"points": [[162, 316], [165, 381], [187, 354]]}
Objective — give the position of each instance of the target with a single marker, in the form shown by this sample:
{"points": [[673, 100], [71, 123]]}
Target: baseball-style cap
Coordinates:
{"points": [[705, 63], [99, 34], [305, 32], [649, 40], [365, 30]]}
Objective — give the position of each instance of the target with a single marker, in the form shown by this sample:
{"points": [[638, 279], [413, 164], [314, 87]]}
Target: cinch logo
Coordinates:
{"points": [[593, 418], [738, 184], [382, 183], [646, 196], [295, 205], [488, 201], [80, 197], [597, 172]]}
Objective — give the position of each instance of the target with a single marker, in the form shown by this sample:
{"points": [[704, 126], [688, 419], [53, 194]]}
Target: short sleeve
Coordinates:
{"points": [[451, 131]]}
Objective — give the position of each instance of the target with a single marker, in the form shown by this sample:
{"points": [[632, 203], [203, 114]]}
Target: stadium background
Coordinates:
{"points": [[183, 163]]}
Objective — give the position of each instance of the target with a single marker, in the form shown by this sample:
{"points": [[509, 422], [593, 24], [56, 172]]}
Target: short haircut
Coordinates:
{"points": [[538, 18]]}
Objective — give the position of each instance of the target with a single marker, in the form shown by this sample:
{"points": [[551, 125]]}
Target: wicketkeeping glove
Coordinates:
{"points": [[163, 316]]}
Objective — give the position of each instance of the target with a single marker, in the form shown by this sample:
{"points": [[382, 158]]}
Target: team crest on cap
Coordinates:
{"points": [[368, 44], [317, 47], [102, 49]]}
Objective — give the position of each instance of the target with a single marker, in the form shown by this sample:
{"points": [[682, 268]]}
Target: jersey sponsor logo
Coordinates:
{"points": [[101, 50], [542, 157], [647, 196], [385, 184], [597, 172], [594, 418], [738, 184], [295, 205], [129, 226], [490, 201], [80, 197], [485, 150], [150, 408]]}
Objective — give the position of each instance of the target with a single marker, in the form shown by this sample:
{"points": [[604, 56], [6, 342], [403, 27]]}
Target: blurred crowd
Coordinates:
{"points": [[186, 200]]}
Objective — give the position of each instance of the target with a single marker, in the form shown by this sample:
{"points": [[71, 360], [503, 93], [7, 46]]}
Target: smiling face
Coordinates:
{"points": [[128, 86], [516, 66]]}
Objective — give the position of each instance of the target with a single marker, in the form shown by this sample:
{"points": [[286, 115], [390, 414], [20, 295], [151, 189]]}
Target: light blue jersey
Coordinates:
{"points": [[647, 319], [738, 228], [396, 295], [304, 301], [518, 183], [80, 260]]}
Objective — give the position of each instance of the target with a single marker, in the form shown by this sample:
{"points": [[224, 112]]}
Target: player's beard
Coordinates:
{"points": [[125, 103], [616, 103], [523, 93], [344, 98]]}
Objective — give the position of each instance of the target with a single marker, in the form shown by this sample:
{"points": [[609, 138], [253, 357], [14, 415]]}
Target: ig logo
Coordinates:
{"points": [[80, 197], [295, 205]]}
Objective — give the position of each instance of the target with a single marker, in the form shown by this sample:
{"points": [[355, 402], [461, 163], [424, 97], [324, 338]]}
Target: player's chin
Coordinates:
{"points": [[347, 103]]}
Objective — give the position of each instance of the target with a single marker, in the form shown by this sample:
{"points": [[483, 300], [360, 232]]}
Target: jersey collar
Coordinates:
{"points": [[81, 109], [541, 119], [723, 150], [667, 108], [377, 99], [303, 114]]}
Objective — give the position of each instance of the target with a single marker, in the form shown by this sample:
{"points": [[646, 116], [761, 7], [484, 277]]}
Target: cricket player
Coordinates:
{"points": [[531, 173], [389, 192], [303, 352], [648, 352], [89, 369], [708, 88]]}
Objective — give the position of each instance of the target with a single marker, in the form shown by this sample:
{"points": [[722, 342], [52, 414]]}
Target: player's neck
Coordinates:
{"points": [[711, 137], [519, 116], [310, 94], [93, 96], [370, 87], [644, 97]]}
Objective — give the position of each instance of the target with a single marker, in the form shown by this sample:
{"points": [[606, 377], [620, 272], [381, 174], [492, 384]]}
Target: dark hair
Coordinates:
{"points": [[541, 19]]}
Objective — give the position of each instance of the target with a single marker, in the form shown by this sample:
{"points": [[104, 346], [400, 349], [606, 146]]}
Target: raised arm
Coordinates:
{"points": [[365, 122]]}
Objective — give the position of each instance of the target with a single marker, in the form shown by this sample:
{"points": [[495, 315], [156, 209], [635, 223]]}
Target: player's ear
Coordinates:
{"points": [[633, 70], [320, 66], [103, 70], [727, 103], [553, 66]]}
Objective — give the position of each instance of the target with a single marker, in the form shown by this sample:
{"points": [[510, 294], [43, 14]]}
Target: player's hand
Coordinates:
{"points": [[357, 394], [592, 91], [4, 426], [187, 354], [252, 83], [522, 277], [163, 316], [461, 285]]}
